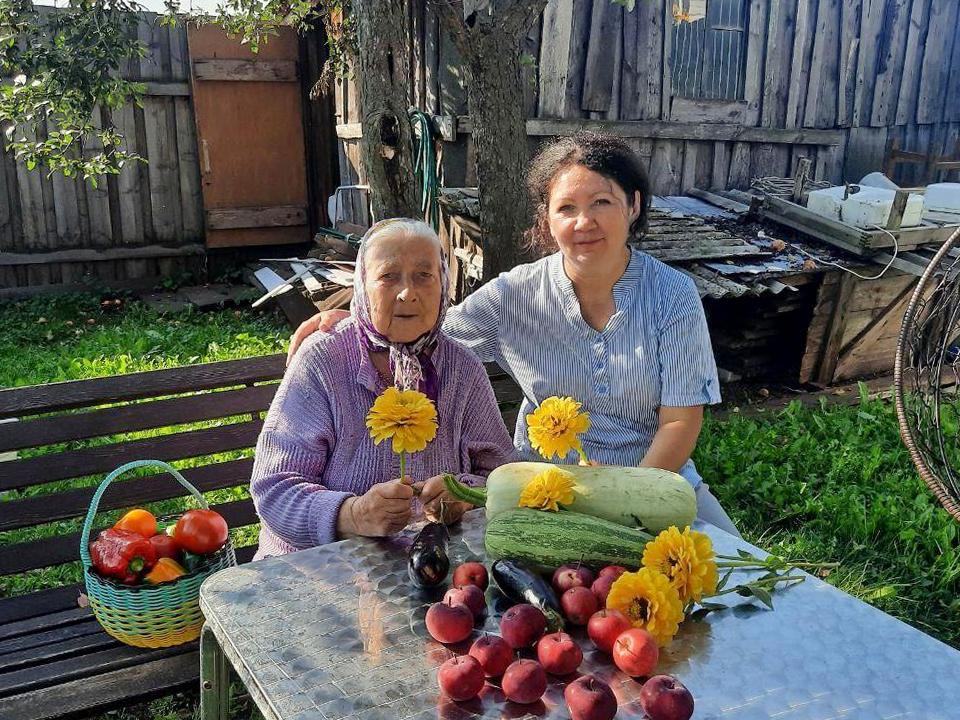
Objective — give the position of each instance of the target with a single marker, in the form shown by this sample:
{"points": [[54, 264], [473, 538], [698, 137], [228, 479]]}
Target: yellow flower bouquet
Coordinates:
{"points": [[407, 418]]}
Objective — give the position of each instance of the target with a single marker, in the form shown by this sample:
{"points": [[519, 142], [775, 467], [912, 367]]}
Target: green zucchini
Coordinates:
{"points": [[647, 498], [548, 540]]}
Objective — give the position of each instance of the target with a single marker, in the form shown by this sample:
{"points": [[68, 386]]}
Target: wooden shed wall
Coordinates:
{"points": [[828, 79], [148, 220]]}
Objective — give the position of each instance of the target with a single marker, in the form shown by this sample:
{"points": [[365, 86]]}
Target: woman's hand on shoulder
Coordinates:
{"points": [[324, 322]]}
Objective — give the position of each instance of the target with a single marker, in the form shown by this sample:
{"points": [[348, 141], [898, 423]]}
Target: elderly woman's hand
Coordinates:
{"points": [[438, 504], [324, 322], [383, 510]]}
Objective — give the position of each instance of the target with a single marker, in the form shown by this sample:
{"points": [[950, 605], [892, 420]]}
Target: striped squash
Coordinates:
{"points": [[548, 540]]}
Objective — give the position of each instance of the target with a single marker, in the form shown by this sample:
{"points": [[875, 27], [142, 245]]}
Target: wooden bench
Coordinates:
{"points": [[55, 661]]}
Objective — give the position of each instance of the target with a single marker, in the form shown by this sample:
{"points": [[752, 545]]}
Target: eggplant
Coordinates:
{"points": [[427, 563], [521, 584]]}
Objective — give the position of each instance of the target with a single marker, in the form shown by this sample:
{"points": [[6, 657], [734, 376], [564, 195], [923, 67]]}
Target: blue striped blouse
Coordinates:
{"points": [[655, 350]]}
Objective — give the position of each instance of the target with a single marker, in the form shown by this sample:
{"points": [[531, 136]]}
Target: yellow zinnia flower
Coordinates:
{"points": [[554, 426], [648, 599], [687, 559], [548, 490], [405, 417]]}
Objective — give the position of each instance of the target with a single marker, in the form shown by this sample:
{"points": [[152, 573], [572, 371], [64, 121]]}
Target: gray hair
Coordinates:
{"points": [[393, 227]]}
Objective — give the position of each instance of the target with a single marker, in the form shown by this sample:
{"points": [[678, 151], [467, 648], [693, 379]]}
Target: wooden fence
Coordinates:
{"points": [[145, 222], [745, 92]]}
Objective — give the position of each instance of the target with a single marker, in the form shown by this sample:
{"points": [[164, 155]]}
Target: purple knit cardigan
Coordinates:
{"points": [[314, 450]]}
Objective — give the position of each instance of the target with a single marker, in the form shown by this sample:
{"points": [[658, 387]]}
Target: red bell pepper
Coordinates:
{"points": [[122, 555]]}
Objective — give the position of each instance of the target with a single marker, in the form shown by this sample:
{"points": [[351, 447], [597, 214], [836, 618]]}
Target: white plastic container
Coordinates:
{"points": [[943, 197], [871, 208], [826, 202]]}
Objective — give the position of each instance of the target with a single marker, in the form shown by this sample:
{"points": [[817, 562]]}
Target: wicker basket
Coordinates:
{"points": [[150, 616]]}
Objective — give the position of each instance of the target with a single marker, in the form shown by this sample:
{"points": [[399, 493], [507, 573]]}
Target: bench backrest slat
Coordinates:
{"points": [[61, 549], [33, 511], [104, 458], [134, 417], [15, 402]]}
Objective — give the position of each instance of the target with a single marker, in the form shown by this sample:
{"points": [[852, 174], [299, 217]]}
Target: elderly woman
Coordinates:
{"points": [[597, 320], [318, 476]]}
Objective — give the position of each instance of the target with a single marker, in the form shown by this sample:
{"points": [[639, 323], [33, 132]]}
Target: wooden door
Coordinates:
{"points": [[250, 139]]}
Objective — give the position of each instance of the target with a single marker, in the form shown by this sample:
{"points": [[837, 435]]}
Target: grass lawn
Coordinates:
{"points": [[836, 479]]}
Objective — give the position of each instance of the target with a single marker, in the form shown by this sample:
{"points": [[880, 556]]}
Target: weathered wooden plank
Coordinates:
{"points": [[800, 62], [913, 58], [431, 59], [891, 53], [6, 207], [8, 167], [255, 217], [684, 131], [245, 70], [755, 58], [666, 60], [179, 55], [951, 110], [721, 165], [98, 198], [606, 36], [833, 337], [188, 167], [777, 67], [739, 176], [131, 193], [530, 47], [641, 83], [666, 167], [821, 105], [848, 60], [563, 58], [767, 159], [98, 255], [160, 125], [695, 110], [935, 68], [29, 472], [864, 151], [32, 400], [452, 85], [42, 509], [871, 26]]}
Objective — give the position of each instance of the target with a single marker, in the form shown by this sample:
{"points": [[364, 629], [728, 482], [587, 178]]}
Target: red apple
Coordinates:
{"points": [[493, 653], [605, 626], [601, 587], [461, 677], [469, 595], [522, 625], [579, 604], [590, 699], [471, 573], [568, 576], [615, 570], [635, 652], [524, 681], [663, 697], [559, 653], [449, 623]]}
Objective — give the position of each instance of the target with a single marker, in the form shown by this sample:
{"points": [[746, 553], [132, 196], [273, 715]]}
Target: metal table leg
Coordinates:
{"points": [[214, 678]]}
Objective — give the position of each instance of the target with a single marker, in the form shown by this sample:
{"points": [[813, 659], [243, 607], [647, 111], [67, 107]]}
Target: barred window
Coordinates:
{"points": [[709, 49]]}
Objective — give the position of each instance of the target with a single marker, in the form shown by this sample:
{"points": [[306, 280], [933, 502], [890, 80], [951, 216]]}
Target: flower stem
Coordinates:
{"points": [[403, 464], [583, 456]]}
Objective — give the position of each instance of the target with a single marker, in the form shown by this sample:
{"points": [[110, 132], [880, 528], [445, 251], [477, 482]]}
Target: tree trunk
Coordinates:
{"points": [[489, 40], [382, 68], [495, 96]]}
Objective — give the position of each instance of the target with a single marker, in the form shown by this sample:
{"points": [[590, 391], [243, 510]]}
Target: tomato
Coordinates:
{"points": [[201, 531], [165, 546], [139, 521]]}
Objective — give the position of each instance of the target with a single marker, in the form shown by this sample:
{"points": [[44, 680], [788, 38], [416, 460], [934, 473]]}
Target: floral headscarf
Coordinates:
{"points": [[410, 362]]}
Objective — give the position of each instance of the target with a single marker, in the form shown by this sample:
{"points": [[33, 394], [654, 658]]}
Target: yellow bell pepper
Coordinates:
{"points": [[165, 570]]}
